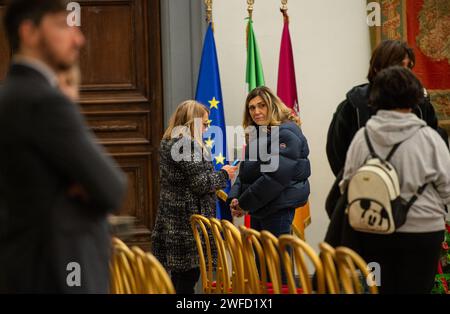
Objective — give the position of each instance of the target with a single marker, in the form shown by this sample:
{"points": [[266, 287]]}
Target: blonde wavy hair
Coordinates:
{"points": [[277, 111], [181, 122]]}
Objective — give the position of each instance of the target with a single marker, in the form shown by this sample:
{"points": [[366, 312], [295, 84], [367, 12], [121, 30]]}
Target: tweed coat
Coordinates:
{"points": [[187, 187]]}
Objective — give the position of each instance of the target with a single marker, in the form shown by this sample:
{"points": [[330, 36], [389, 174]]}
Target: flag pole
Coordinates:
{"points": [[284, 9], [208, 5], [250, 4]]}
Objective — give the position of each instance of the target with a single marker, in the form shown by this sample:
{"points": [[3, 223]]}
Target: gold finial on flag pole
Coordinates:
{"points": [[284, 9], [208, 4], [250, 4]]}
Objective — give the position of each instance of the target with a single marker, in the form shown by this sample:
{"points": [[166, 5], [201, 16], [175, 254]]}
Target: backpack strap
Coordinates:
{"points": [[393, 150], [372, 150], [369, 144], [416, 196]]}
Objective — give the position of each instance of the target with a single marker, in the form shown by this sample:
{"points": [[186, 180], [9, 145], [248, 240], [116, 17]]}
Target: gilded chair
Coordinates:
{"points": [[151, 277], [270, 246], [262, 247], [123, 278], [160, 274], [328, 258], [200, 226], [233, 242], [223, 282], [252, 250], [349, 264], [299, 249], [141, 272]]}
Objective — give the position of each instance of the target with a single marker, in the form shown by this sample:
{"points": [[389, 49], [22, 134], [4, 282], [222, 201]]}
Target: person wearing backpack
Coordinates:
{"points": [[398, 210], [353, 113]]}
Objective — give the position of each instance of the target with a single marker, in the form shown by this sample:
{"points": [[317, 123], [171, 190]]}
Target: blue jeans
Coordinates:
{"points": [[278, 224]]}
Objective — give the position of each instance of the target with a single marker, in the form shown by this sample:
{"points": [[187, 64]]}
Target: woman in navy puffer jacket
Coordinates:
{"points": [[270, 189]]}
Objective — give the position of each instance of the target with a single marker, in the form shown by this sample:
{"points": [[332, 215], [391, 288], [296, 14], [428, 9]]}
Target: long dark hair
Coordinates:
{"points": [[389, 53]]}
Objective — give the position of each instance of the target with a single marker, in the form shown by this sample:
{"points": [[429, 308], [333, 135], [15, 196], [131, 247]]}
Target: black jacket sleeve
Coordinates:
{"points": [[427, 113], [235, 191], [267, 187], [342, 129], [62, 138]]}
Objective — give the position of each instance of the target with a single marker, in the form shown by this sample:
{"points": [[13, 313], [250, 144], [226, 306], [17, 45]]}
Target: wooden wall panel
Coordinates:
{"points": [[5, 52]]}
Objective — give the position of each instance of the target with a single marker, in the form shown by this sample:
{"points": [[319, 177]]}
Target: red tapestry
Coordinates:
{"points": [[425, 24]]}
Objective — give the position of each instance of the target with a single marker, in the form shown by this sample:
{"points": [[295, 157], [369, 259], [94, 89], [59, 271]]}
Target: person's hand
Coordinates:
{"points": [[235, 210], [237, 213], [230, 170], [234, 203]]}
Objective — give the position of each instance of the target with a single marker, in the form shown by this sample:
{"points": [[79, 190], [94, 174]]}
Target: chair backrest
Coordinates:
{"points": [[123, 277], [328, 257], [233, 241], [348, 263], [271, 250], [136, 272], [200, 226], [143, 284], [223, 283], [252, 250], [299, 249], [152, 278]]}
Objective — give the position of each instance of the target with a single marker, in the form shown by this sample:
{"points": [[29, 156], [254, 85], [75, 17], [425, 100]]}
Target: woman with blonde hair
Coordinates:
{"points": [[188, 184], [270, 197]]}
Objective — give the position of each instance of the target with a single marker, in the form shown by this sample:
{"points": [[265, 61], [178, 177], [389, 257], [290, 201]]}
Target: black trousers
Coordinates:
{"points": [[408, 261], [184, 282]]}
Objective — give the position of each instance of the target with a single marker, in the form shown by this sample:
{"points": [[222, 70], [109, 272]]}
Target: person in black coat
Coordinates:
{"points": [[57, 186], [271, 189], [353, 113]]}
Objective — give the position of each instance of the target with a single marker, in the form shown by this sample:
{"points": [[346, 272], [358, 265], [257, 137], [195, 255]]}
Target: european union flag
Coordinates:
{"points": [[209, 93]]}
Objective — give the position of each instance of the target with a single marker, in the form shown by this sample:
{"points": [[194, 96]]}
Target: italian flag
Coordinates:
{"points": [[254, 74]]}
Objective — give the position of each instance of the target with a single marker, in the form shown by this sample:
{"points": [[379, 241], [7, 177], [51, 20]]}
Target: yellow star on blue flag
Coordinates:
{"points": [[213, 102], [220, 160], [209, 143]]}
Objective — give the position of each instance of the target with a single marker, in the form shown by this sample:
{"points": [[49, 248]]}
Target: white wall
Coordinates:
{"points": [[331, 50]]}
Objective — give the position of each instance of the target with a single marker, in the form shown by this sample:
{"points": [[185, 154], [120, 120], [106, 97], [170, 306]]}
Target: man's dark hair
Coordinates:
{"points": [[389, 53], [17, 11], [394, 88]]}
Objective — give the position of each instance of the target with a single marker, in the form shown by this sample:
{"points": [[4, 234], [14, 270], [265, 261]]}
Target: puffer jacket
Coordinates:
{"points": [[264, 193]]}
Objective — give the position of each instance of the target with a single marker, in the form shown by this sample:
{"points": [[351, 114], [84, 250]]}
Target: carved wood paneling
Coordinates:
{"points": [[121, 126]]}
